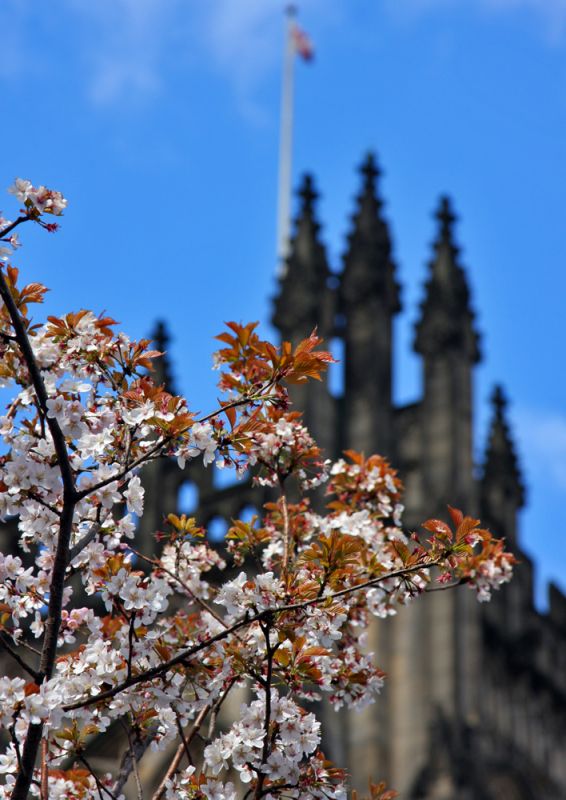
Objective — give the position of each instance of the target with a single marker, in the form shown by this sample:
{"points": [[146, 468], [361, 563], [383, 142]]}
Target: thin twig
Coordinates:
{"points": [[174, 765], [44, 787], [134, 756], [15, 741], [444, 587], [131, 757], [82, 543], [183, 747], [160, 669], [183, 739], [157, 563], [8, 648], [270, 652], [44, 503], [131, 644], [154, 451], [286, 542], [259, 395], [99, 785], [9, 228], [82, 493], [30, 647]]}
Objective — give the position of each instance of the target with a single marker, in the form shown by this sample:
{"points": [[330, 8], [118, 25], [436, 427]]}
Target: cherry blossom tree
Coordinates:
{"points": [[96, 633]]}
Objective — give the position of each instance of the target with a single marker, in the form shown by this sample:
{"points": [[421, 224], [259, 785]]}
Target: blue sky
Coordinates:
{"points": [[158, 119]]}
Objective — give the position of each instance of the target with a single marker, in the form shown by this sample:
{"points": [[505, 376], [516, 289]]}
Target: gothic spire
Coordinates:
{"points": [[501, 466], [161, 365], [447, 319], [298, 304], [368, 264]]}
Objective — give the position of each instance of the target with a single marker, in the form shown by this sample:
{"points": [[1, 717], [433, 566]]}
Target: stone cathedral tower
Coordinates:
{"points": [[475, 702]]}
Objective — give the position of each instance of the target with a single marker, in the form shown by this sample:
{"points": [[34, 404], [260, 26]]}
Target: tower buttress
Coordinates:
{"points": [[369, 299], [305, 301], [447, 340], [160, 477], [502, 492], [302, 302], [161, 373], [502, 495]]}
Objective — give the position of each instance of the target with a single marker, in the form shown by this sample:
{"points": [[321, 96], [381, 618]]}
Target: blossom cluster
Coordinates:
{"points": [[294, 736], [285, 447], [159, 642], [45, 201]]}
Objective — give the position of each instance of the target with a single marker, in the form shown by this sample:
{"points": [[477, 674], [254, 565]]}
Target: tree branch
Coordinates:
{"points": [[135, 755], [57, 586], [198, 600], [161, 669], [167, 440], [86, 540], [9, 228], [99, 785], [131, 756], [44, 784], [286, 542], [8, 648], [270, 652], [260, 394], [24, 344], [183, 747]]}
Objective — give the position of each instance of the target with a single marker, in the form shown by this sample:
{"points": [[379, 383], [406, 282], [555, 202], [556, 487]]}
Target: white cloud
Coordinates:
{"points": [[122, 42], [125, 46], [553, 10], [15, 55], [543, 442], [550, 13], [241, 36], [243, 40]]}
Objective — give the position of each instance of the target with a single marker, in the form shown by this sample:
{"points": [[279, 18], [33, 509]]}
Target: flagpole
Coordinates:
{"points": [[285, 146]]}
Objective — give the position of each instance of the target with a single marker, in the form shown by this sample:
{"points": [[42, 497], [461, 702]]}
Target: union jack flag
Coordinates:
{"points": [[302, 44]]}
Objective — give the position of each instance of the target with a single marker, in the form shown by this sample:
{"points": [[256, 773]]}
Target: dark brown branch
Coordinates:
{"points": [[157, 563], [44, 503], [15, 742], [270, 652], [184, 746], [445, 586], [9, 228], [99, 785], [131, 644], [38, 386], [286, 528], [180, 658], [57, 586], [153, 451], [135, 755], [44, 784], [132, 755], [183, 738], [82, 543], [8, 648]]}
